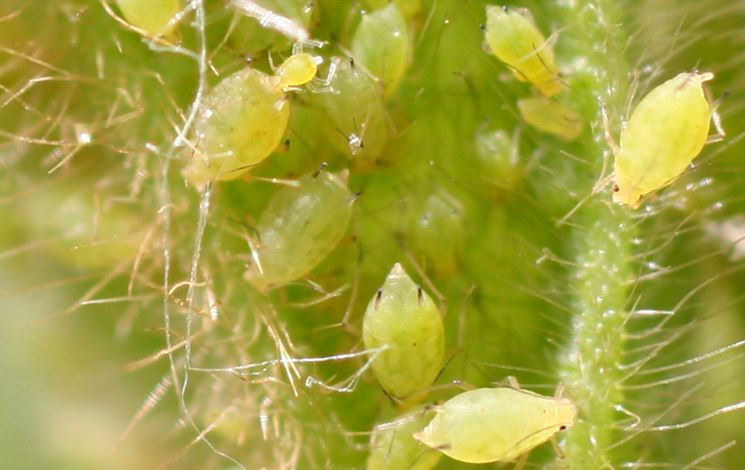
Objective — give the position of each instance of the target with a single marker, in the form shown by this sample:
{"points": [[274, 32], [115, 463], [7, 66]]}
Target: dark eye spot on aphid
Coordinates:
{"points": [[351, 62], [562, 428], [482, 27], [615, 188], [419, 294], [378, 295]]}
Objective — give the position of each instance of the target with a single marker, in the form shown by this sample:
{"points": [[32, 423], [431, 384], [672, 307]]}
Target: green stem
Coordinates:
{"points": [[603, 237]]}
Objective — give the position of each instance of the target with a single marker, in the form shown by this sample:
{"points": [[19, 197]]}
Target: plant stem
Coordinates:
{"points": [[603, 236]]}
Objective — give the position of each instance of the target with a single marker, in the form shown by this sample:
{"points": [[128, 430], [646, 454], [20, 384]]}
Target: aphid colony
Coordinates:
{"points": [[244, 118]]}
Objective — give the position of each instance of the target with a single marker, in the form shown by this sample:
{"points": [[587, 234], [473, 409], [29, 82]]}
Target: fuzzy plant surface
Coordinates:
{"points": [[193, 235]]}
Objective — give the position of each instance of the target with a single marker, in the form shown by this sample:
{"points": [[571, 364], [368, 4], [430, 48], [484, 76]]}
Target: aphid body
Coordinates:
{"points": [[548, 115], [357, 121], [381, 44], [666, 131], [393, 447], [495, 424], [300, 227], [402, 318], [156, 18], [243, 119], [514, 38]]}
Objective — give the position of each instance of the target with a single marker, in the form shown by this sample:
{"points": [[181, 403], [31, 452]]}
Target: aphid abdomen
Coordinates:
{"points": [[666, 131], [403, 318], [515, 40], [154, 17], [241, 122], [300, 227], [495, 424], [381, 44]]}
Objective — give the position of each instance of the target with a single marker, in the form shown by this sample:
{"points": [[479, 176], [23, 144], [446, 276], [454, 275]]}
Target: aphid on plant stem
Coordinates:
{"points": [[393, 447], [155, 18], [381, 44], [243, 119], [548, 115], [403, 318], [666, 131], [514, 38], [300, 227], [496, 424]]}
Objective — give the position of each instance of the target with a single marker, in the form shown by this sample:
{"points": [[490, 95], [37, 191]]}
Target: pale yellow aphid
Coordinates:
{"points": [[297, 70], [548, 115], [666, 131], [514, 38], [154, 18], [496, 424], [243, 119]]}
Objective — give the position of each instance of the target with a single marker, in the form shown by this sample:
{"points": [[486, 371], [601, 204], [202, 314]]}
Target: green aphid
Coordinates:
{"points": [[243, 119], [393, 447], [498, 155], [496, 424], [403, 330], [382, 45], [357, 123], [666, 131], [154, 18], [408, 8], [299, 228], [437, 232], [514, 38], [550, 116]]}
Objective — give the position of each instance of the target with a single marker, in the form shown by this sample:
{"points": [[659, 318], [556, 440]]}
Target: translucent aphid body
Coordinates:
{"points": [[300, 227], [393, 447], [356, 112], [381, 44], [514, 38], [495, 424], [243, 119], [403, 318], [156, 18], [550, 116], [666, 131], [437, 230], [408, 8], [497, 153]]}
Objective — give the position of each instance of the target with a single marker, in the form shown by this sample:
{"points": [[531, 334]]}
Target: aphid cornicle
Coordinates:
{"points": [[496, 424], [155, 18], [243, 119], [514, 38], [548, 115], [402, 318], [666, 131], [381, 44], [300, 227]]}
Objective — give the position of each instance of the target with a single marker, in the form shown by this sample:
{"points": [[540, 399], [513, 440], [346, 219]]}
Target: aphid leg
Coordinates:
{"points": [[324, 84], [557, 447], [615, 148], [512, 381], [715, 117], [521, 461], [560, 390]]}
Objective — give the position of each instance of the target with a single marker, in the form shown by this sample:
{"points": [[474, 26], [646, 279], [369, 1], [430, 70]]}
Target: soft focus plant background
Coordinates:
{"points": [[88, 112]]}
